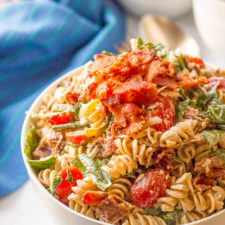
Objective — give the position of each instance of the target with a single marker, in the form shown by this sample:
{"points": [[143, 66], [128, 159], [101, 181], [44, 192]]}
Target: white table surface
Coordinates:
{"points": [[23, 206]]}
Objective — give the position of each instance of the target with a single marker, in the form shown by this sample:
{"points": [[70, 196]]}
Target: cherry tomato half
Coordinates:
{"points": [[58, 118], [164, 108], [146, 191], [76, 137], [93, 198], [64, 188]]}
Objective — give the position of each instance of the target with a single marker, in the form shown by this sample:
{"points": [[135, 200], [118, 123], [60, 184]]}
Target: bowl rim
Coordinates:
{"points": [[31, 172]]}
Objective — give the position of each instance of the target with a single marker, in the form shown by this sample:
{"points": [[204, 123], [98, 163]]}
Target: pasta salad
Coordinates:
{"points": [[136, 139]]}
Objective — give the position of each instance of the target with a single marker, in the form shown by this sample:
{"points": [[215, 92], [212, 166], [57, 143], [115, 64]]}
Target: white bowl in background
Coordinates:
{"points": [[168, 8], [60, 213], [209, 18]]}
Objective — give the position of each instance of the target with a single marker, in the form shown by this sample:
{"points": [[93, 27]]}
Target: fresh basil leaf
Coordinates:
{"points": [[170, 218], [107, 53], [93, 167], [216, 113], [180, 109], [153, 211], [182, 93], [43, 163], [140, 43], [69, 177], [180, 64], [55, 183], [220, 153], [203, 97], [212, 136], [31, 141]]}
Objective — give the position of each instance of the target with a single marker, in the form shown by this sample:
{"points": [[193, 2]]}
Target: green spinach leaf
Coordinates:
{"points": [[93, 167], [31, 141], [55, 183], [69, 177], [212, 136], [43, 163]]}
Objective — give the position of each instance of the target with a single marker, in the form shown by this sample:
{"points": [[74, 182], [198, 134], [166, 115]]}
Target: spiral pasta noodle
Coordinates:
{"points": [[120, 188], [81, 208], [94, 113], [139, 152], [137, 217], [120, 165], [179, 133], [46, 176]]}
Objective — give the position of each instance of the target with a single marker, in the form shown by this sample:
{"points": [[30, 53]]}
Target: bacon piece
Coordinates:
{"points": [[164, 158], [136, 91], [112, 210], [50, 145], [113, 103], [164, 81], [211, 167], [160, 67], [202, 183], [106, 146], [183, 79], [132, 113]]}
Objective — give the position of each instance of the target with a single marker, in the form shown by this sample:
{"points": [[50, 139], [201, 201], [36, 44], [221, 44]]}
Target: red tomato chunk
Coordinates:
{"points": [[93, 198], [59, 118], [146, 191], [76, 137], [164, 108], [64, 188]]}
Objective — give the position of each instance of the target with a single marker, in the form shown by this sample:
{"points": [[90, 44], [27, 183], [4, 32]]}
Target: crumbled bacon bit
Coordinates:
{"points": [[106, 146], [211, 167], [50, 145], [112, 210], [164, 158], [202, 183], [132, 77], [183, 79]]}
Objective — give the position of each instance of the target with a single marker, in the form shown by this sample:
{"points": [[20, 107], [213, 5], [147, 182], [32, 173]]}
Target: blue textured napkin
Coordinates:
{"points": [[39, 41]]}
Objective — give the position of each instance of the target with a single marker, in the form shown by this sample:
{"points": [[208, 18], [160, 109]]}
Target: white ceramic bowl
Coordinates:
{"points": [[60, 213], [168, 8], [210, 21]]}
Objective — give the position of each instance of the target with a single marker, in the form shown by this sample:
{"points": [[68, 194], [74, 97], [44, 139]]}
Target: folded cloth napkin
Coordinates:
{"points": [[39, 41]]}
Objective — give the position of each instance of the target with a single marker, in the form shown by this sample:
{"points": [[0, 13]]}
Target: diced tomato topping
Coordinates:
{"points": [[59, 118], [195, 60], [164, 108], [71, 97], [214, 80], [93, 198], [64, 188], [146, 191], [76, 137]]}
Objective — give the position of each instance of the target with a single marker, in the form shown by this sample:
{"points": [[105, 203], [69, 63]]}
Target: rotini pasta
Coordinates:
{"points": [[120, 165], [139, 152], [135, 139], [180, 133]]}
